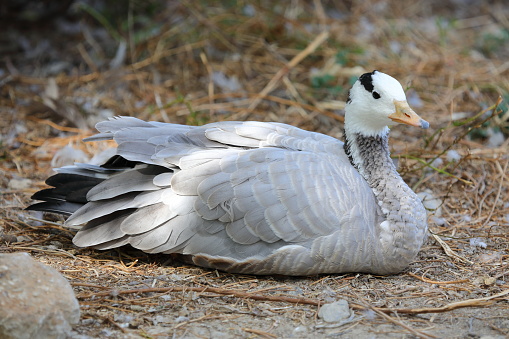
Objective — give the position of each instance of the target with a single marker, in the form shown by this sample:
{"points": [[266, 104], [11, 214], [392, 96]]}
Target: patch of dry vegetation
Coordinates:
{"points": [[197, 62]]}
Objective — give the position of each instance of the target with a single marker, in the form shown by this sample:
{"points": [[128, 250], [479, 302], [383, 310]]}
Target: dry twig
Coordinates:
{"points": [[383, 314], [238, 294], [260, 333], [283, 71], [438, 282], [480, 302], [450, 252]]}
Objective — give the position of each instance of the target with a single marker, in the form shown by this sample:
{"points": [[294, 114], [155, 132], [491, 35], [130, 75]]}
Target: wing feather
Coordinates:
{"points": [[138, 179], [101, 230], [231, 189], [146, 218], [173, 233], [96, 209]]}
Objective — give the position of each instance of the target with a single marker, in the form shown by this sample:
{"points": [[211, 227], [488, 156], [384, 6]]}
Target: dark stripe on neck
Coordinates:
{"points": [[347, 146], [373, 152]]}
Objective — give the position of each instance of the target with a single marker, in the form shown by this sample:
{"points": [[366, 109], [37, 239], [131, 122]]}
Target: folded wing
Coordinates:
{"points": [[231, 191]]}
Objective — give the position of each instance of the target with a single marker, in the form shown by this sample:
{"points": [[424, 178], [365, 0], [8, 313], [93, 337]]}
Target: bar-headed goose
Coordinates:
{"points": [[253, 197]]}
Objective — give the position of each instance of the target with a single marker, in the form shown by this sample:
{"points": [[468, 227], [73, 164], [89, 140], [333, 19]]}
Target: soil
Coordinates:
{"points": [[66, 67]]}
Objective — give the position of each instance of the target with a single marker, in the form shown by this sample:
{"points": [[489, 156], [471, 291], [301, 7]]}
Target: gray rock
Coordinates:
{"points": [[36, 301], [335, 311]]}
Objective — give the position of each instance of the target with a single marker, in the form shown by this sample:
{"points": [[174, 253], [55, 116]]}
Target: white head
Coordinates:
{"points": [[376, 101]]}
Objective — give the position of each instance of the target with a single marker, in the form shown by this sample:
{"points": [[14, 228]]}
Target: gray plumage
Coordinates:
{"points": [[254, 197]]}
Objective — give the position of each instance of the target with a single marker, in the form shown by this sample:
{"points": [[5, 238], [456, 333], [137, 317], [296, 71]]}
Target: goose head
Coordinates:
{"points": [[375, 102]]}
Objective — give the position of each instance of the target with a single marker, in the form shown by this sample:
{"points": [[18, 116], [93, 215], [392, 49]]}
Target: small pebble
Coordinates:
{"points": [[478, 242], [105, 333], [227, 84], [453, 156], [439, 221], [495, 139], [165, 297], [181, 319], [249, 10], [123, 318], [135, 323], [23, 238], [89, 321], [300, 330], [431, 202], [437, 163], [369, 314], [335, 311], [56, 244], [167, 319]]}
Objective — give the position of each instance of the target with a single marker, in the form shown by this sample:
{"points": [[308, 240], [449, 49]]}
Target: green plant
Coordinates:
{"points": [[444, 26], [195, 118], [491, 43]]}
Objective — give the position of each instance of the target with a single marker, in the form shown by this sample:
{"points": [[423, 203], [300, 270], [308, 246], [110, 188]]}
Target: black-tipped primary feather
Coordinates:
{"points": [[61, 179], [70, 188], [118, 162], [60, 207], [48, 194], [68, 194]]}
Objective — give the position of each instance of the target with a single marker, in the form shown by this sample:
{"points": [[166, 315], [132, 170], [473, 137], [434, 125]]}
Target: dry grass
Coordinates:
{"points": [[294, 64]]}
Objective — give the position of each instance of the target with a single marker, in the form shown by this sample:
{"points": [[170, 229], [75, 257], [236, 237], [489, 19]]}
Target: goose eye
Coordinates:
{"points": [[376, 95]]}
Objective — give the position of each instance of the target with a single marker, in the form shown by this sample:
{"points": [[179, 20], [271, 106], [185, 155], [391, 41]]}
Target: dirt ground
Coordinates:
{"points": [[66, 65]]}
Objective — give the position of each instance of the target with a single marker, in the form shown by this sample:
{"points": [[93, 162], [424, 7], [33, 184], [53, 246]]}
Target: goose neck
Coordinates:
{"points": [[402, 227], [371, 157]]}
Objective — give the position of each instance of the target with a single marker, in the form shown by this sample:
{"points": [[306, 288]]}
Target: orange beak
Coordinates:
{"points": [[405, 115]]}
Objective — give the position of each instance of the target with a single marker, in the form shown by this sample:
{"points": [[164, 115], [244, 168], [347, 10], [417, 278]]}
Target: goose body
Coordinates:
{"points": [[253, 197]]}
